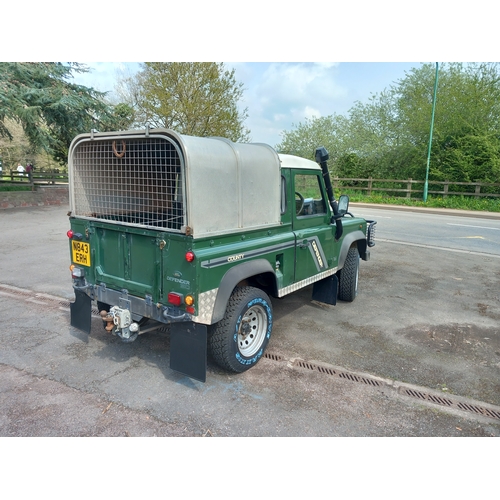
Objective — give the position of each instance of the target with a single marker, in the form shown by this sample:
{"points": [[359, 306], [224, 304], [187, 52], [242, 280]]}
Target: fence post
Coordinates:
{"points": [[478, 190], [408, 188], [445, 188], [370, 183]]}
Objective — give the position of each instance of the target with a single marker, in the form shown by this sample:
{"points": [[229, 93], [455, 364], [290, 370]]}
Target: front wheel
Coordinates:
{"points": [[349, 275], [239, 340]]}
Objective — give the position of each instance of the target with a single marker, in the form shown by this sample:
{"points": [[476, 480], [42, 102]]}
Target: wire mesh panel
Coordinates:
{"points": [[130, 181]]}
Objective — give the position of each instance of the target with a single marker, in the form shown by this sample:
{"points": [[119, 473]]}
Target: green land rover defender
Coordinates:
{"points": [[197, 233]]}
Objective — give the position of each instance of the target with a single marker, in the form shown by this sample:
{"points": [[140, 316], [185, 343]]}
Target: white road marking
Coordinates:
{"points": [[456, 250], [475, 227]]}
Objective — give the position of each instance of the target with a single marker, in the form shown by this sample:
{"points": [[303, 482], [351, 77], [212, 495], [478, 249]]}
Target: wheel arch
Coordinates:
{"points": [[357, 237], [244, 271]]}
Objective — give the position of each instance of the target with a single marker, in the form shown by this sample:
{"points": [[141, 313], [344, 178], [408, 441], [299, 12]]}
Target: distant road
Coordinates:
{"points": [[439, 230]]}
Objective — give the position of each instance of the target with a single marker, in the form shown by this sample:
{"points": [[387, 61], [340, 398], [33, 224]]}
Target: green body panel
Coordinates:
{"points": [[216, 257], [127, 260], [141, 261], [150, 263]]}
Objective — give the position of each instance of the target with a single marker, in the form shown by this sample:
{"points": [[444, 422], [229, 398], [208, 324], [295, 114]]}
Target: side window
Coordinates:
{"points": [[283, 195], [308, 196]]}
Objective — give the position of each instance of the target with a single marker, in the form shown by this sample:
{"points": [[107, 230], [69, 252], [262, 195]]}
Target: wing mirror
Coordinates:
{"points": [[343, 205]]}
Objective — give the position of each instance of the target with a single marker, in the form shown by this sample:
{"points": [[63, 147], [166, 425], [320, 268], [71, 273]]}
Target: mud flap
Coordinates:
{"points": [[81, 317], [188, 349], [326, 290]]}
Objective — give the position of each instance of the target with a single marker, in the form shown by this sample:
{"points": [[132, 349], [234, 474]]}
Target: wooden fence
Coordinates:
{"points": [[45, 178], [415, 189], [408, 188]]}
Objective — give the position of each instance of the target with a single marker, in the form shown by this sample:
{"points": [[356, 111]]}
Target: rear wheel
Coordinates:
{"points": [[239, 340], [349, 275]]}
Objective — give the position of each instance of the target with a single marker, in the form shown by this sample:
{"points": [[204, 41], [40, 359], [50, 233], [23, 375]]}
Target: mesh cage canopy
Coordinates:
{"points": [[131, 181], [201, 186]]}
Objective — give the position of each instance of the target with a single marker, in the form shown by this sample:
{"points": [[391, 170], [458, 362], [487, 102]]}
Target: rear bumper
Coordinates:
{"points": [[139, 307]]}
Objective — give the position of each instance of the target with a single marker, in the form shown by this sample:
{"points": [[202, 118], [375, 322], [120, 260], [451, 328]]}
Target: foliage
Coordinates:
{"points": [[120, 117], [388, 136], [14, 188], [469, 158], [18, 149], [192, 98], [50, 108]]}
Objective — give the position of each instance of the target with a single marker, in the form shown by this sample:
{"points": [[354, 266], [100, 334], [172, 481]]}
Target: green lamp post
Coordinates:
{"points": [[426, 185]]}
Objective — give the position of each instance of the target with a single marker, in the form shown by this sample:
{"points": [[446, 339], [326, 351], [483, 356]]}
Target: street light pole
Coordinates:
{"points": [[426, 185]]}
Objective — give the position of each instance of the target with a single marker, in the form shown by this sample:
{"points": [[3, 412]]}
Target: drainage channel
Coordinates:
{"points": [[44, 299], [422, 394]]}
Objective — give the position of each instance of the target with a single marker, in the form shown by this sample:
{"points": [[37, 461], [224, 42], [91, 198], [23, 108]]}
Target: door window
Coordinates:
{"points": [[308, 196]]}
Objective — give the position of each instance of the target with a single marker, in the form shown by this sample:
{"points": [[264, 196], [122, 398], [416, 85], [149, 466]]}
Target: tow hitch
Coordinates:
{"points": [[119, 322]]}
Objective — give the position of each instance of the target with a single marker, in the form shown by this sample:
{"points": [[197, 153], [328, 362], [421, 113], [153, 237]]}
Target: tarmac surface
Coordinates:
{"points": [[416, 354], [430, 210]]}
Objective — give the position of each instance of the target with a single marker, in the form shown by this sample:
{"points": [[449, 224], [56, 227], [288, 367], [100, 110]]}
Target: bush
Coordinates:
{"points": [[10, 187]]}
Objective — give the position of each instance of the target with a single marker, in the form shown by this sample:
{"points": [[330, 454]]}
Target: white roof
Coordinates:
{"points": [[290, 161]]}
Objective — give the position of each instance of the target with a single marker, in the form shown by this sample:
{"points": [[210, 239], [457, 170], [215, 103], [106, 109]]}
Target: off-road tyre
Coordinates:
{"points": [[239, 340], [349, 276]]}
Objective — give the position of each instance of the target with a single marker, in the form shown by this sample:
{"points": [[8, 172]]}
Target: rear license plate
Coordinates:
{"points": [[81, 252]]}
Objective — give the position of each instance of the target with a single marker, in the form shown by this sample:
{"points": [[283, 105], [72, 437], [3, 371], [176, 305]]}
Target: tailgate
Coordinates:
{"points": [[128, 258]]}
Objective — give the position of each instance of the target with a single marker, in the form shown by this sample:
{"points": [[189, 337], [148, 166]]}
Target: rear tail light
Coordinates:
{"points": [[178, 299], [174, 299], [72, 235], [76, 272], [189, 301]]}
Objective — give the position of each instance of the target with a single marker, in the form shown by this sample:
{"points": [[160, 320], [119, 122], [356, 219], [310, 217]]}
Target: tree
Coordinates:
{"points": [[467, 120], [50, 108], [18, 149], [387, 137], [14, 150], [327, 131], [121, 117], [192, 98]]}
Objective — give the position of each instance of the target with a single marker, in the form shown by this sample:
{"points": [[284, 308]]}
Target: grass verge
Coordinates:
{"points": [[451, 201], [15, 188]]}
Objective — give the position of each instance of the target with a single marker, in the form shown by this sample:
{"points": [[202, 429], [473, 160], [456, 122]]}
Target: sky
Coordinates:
{"points": [[280, 95], [372, 43]]}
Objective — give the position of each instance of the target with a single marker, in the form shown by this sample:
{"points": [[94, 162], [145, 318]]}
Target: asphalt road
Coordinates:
{"points": [[416, 354], [438, 230]]}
